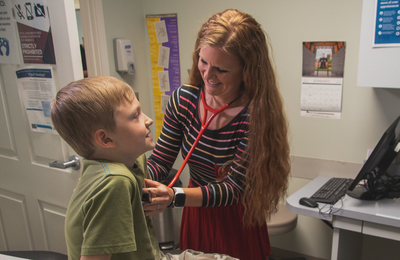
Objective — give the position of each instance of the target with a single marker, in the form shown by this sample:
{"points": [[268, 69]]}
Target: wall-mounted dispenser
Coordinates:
{"points": [[124, 59]]}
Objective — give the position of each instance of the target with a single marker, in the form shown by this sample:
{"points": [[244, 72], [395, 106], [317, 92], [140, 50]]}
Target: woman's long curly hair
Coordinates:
{"points": [[240, 35]]}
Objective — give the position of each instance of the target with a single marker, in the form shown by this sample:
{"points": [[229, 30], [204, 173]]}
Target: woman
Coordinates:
{"points": [[240, 167]]}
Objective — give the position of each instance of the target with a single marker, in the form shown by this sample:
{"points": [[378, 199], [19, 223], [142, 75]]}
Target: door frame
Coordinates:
{"points": [[93, 29]]}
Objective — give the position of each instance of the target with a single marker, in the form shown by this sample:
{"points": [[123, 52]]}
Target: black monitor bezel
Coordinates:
{"points": [[382, 155]]}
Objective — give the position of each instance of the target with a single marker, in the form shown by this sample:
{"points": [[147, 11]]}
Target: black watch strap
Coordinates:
{"points": [[173, 199]]}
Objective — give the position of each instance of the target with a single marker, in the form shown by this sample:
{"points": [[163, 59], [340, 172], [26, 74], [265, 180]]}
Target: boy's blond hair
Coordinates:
{"points": [[84, 106]]}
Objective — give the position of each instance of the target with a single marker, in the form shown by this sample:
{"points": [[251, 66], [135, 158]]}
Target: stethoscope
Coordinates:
{"points": [[204, 124]]}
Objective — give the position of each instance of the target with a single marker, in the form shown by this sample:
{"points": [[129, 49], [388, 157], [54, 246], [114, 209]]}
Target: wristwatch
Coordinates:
{"points": [[179, 198]]}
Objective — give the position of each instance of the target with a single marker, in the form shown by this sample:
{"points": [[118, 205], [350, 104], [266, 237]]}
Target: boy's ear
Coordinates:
{"points": [[103, 140]]}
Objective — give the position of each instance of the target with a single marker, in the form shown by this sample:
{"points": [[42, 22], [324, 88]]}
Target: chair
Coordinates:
{"points": [[283, 221]]}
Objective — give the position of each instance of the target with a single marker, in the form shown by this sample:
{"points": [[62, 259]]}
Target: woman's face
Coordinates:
{"points": [[222, 73]]}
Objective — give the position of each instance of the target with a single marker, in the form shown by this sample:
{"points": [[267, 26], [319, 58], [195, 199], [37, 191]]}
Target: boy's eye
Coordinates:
{"points": [[137, 114]]}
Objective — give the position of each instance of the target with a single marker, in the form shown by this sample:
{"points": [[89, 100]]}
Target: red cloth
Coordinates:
{"points": [[221, 230]]}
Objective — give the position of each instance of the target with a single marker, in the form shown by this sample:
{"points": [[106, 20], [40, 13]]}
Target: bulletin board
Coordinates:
{"points": [[165, 64]]}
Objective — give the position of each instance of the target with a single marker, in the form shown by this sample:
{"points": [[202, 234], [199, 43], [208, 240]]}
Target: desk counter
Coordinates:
{"points": [[350, 219]]}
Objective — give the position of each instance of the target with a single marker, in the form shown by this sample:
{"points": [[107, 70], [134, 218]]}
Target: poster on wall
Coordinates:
{"points": [[387, 24], [34, 31], [37, 89], [9, 52], [165, 64], [322, 79]]}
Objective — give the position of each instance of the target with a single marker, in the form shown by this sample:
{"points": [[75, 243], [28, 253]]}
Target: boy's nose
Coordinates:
{"points": [[148, 121]]}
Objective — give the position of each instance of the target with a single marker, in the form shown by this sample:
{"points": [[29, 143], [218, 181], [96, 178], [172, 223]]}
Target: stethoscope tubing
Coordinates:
{"points": [[204, 125]]}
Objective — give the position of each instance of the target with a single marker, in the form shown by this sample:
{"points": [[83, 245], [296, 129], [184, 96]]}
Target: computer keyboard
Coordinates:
{"points": [[332, 191]]}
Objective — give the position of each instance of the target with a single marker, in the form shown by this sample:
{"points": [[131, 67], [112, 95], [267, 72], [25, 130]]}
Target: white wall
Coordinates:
{"points": [[318, 146], [124, 19]]}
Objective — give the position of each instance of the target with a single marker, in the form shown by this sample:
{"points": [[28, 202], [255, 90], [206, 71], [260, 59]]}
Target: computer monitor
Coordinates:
{"points": [[373, 172]]}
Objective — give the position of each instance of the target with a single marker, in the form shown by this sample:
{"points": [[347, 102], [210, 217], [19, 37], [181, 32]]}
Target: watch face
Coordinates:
{"points": [[180, 199]]}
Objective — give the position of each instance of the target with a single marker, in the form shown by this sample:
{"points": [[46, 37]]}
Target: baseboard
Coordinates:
{"points": [[279, 253]]}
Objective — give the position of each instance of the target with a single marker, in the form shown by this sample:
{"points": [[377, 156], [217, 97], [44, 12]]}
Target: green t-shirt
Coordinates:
{"points": [[105, 213]]}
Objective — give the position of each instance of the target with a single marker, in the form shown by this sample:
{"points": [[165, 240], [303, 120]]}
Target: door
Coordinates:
{"points": [[33, 196]]}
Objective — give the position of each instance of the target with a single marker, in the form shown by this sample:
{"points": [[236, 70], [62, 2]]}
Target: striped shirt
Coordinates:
{"points": [[216, 147]]}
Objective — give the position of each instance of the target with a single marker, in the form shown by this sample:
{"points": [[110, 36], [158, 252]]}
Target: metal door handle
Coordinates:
{"points": [[73, 162]]}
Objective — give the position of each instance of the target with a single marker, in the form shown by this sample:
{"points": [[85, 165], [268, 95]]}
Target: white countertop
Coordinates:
{"points": [[385, 211]]}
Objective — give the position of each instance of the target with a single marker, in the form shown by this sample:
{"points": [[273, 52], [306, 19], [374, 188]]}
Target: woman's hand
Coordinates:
{"points": [[161, 197]]}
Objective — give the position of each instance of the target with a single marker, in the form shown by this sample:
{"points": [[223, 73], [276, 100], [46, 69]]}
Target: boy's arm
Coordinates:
{"points": [[96, 257]]}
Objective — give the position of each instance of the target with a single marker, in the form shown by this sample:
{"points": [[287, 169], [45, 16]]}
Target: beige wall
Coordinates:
{"points": [[318, 146], [366, 111]]}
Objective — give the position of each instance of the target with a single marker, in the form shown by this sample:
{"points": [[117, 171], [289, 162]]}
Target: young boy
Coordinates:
{"points": [[101, 119]]}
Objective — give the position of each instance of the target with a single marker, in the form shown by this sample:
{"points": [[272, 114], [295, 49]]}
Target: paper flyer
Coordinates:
{"points": [[37, 89], [165, 64], [34, 31], [322, 81], [387, 24], [9, 52]]}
